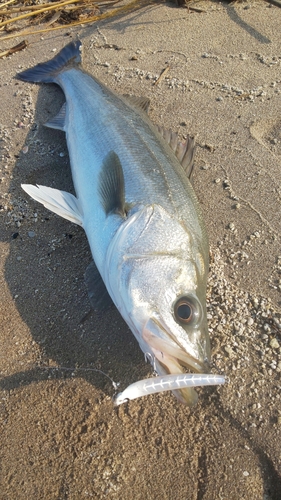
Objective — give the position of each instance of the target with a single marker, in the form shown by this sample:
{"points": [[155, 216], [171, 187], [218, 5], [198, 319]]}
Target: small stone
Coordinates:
{"points": [[31, 234], [229, 350], [246, 473], [231, 226], [274, 344], [217, 181], [25, 150]]}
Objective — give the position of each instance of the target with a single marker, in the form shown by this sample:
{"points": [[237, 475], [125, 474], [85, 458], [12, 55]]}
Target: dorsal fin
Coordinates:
{"points": [[140, 103], [184, 151]]}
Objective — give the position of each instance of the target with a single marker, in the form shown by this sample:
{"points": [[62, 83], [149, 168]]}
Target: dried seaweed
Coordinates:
{"points": [[28, 17]]}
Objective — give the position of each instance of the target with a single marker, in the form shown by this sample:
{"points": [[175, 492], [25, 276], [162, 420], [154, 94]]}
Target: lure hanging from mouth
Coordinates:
{"points": [[166, 383]]}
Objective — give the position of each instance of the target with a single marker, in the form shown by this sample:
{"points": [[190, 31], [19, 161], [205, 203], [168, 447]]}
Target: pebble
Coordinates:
{"points": [[274, 344], [246, 473], [31, 234]]}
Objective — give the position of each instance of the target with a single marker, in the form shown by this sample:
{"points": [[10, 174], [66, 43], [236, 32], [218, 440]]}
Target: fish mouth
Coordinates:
{"points": [[169, 357]]}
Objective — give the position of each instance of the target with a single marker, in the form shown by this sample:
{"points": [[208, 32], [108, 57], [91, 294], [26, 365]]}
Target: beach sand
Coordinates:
{"points": [[61, 437]]}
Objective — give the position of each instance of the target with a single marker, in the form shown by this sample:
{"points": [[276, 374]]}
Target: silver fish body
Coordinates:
{"points": [[140, 213]]}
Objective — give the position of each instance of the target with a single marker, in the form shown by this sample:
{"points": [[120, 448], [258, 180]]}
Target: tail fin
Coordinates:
{"points": [[47, 72]]}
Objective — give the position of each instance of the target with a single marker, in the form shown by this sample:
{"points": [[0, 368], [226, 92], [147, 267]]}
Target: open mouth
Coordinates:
{"points": [[165, 351], [173, 359]]}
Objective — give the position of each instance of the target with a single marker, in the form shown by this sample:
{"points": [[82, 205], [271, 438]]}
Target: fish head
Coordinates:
{"points": [[157, 279]]}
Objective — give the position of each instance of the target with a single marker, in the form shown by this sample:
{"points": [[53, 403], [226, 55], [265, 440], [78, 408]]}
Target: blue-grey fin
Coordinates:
{"points": [[46, 72], [111, 185], [98, 295], [141, 103], [184, 151], [58, 122]]}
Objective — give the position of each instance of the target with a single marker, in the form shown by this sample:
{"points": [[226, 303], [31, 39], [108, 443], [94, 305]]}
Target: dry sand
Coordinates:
{"points": [[61, 438]]}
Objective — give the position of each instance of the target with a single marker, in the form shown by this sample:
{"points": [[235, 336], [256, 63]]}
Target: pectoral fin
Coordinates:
{"points": [[112, 186], [60, 202], [98, 295]]}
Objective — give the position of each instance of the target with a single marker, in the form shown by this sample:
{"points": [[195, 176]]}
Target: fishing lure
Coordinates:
{"points": [[166, 383]]}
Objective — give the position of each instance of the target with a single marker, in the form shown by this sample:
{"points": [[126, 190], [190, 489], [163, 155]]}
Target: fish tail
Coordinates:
{"points": [[47, 72]]}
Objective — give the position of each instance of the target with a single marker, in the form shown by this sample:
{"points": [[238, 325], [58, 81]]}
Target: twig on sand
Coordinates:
{"points": [[277, 3], [20, 46], [162, 74]]}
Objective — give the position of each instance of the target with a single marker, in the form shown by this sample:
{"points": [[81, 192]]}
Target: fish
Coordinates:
{"points": [[143, 221]]}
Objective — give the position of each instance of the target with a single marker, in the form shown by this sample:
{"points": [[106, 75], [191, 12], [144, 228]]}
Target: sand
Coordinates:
{"points": [[61, 437]]}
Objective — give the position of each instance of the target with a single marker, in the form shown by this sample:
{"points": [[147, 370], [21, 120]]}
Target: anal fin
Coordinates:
{"points": [[58, 122], [60, 202]]}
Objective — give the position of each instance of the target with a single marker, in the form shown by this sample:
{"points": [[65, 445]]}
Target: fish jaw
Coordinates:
{"points": [[161, 341], [169, 357]]}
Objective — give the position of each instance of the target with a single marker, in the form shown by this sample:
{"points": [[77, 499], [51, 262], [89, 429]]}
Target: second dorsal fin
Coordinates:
{"points": [[140, 103]]}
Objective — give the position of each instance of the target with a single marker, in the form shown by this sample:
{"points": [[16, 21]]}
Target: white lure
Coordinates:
{"points": [[166, 383]]}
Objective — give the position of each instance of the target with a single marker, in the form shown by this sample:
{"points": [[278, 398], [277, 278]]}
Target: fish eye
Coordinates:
{"points": [[184, 310]]}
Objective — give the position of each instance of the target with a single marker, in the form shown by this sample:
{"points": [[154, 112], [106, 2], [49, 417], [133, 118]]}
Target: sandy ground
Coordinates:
{"points": [[61, 437]]}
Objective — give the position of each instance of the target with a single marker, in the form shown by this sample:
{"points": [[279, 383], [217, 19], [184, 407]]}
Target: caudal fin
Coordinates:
{"points": [[47, 72]]}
